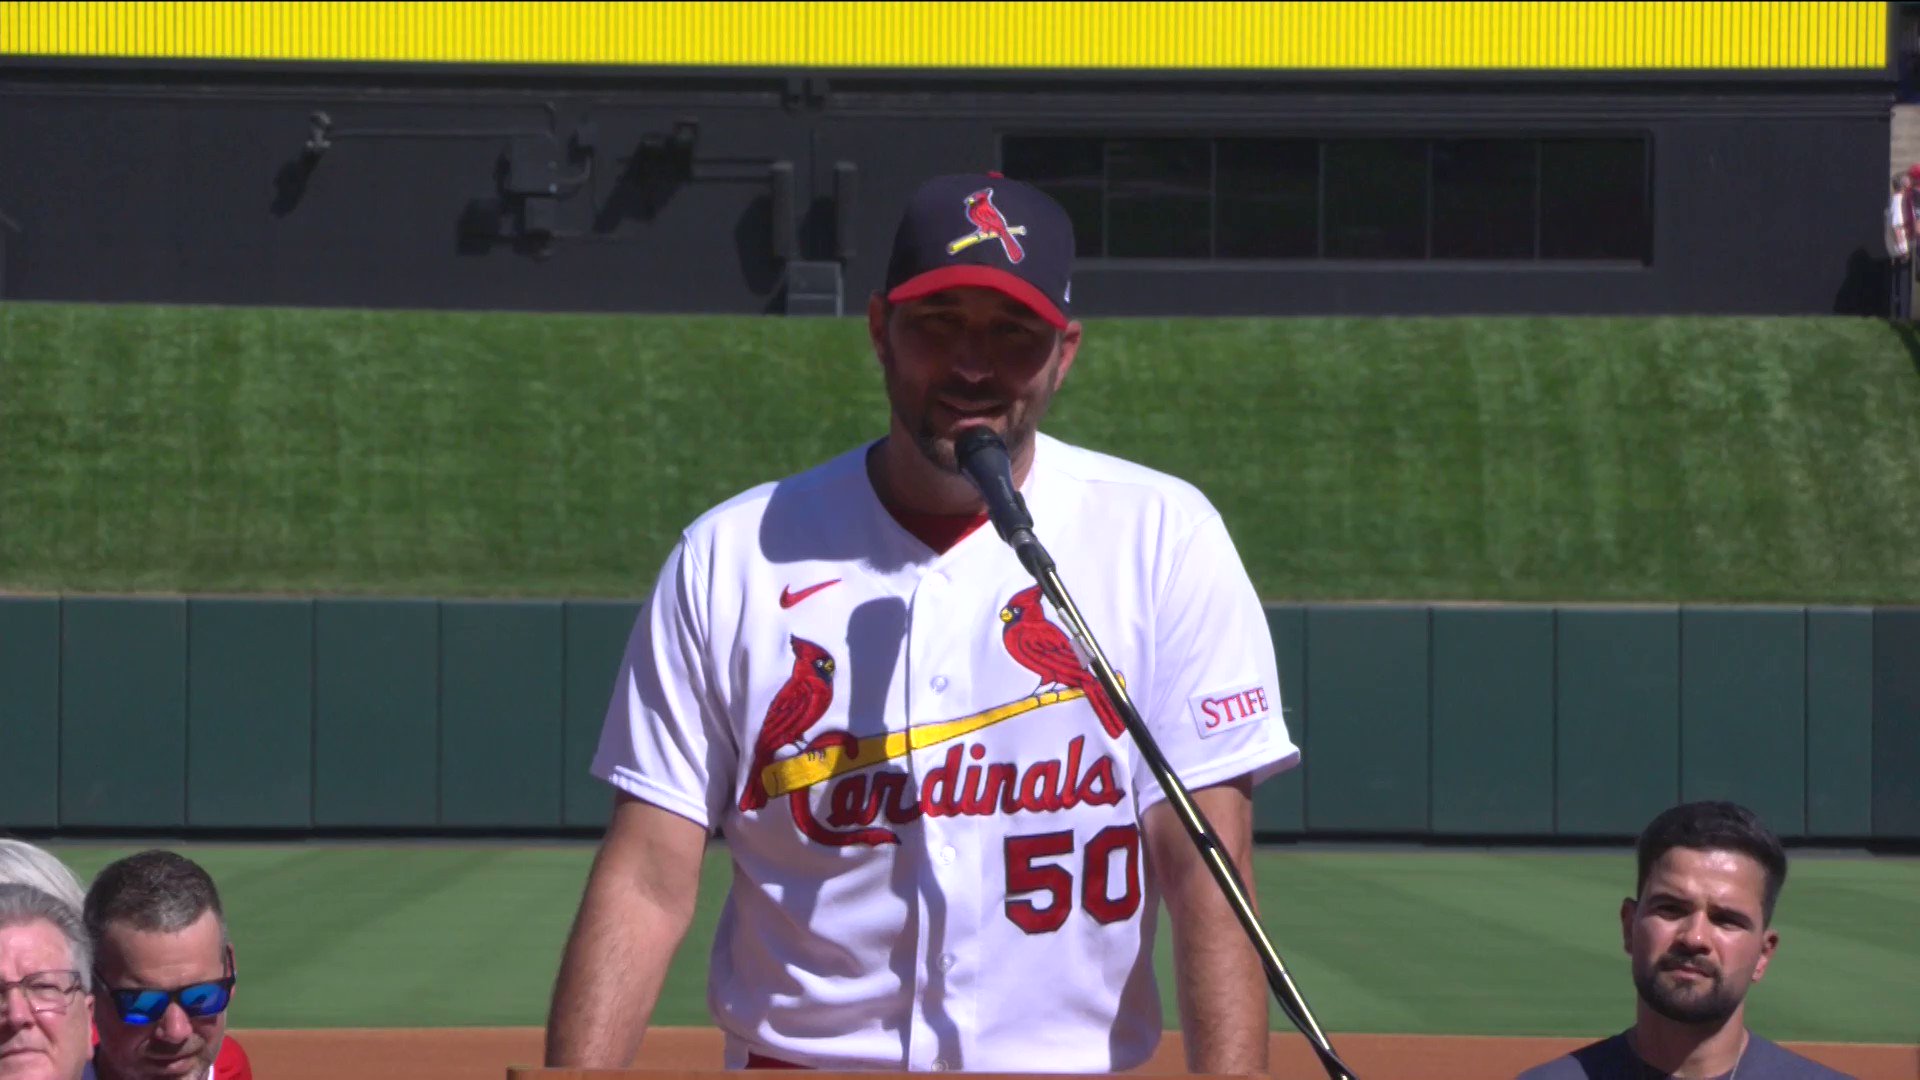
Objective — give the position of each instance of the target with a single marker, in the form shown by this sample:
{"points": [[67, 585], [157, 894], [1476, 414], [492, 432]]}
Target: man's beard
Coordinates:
{"points": [[939, 449], [1692, 1004], [1022, 418]]}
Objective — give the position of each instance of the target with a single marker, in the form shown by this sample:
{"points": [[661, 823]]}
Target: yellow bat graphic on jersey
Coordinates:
{"points": [[812, 767]]}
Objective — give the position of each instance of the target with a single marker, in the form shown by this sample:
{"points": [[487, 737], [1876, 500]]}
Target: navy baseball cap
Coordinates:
{"points": [[987, 231]]}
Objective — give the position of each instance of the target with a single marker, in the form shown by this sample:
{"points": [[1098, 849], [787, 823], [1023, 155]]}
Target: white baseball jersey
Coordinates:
{"points": [[936, 840]]}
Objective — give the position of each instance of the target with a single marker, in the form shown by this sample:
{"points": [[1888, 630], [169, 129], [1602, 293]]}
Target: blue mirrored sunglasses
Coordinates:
{"points": [[138, 1005], [141, 1005]]}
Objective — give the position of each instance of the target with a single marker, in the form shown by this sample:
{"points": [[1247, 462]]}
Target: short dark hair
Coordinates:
{"points": [[1715, 826], [154, 891]]}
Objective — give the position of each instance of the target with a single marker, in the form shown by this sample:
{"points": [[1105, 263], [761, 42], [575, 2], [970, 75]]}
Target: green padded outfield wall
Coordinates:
{"points": [[1367, 748], [1617, 718], [250, 713], [1839, 722], [30, 712], [1442, 720], [376, 741], [123, 713], [500, 718], [1743, 697], [1493, 721], [1896, 722]]}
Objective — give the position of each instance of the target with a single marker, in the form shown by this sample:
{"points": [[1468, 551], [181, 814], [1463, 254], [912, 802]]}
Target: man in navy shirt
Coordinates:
{"points": [[1700, 933]]}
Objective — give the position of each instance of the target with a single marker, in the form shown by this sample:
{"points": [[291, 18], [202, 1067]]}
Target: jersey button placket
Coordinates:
{"points": [[928, 617]]}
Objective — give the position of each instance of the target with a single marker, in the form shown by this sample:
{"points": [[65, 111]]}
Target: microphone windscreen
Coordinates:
{"points": [[983, 457], [976, 441]]}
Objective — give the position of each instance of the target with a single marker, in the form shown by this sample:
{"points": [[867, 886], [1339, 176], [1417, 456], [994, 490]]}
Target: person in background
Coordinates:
{"points": [[45, 999], [165, 972], [23, 864], [1700, 932], [1899, 239]]}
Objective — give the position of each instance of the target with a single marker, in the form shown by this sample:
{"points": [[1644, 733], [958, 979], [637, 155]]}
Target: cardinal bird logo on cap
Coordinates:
{"points": [[989, 224]]}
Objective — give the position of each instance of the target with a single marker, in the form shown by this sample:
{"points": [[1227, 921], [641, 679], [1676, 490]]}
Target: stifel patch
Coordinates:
{"points": [[1214, 713]]}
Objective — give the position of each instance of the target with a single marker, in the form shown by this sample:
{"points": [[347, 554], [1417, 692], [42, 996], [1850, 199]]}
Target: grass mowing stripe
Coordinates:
{"points": [[1421, 942], [1444, 943], [208, 449], [1835, 986], [401, 930]]}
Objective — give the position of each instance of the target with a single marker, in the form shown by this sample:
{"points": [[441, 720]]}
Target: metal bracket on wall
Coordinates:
{"points": [[782, 223], [533, 174], [846, 194], [813, 287], [7, 225], [803, 92]]}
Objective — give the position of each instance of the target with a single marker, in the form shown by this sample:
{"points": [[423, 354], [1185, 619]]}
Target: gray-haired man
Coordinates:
{"points": [[45, 1000]]}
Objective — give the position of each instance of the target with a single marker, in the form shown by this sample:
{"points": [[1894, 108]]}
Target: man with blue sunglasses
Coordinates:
{"points": [[164, 972]]}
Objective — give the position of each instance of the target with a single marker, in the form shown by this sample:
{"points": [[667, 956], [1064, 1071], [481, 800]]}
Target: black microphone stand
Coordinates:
{"points": [[1019, 535]]}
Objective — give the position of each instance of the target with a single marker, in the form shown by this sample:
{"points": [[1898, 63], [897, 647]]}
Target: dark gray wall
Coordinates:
{"points": [[193, 187]]}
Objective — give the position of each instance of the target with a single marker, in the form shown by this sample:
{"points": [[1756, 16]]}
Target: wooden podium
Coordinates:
{"points": [[696, 1054], [690, 1054], [672, 1053], [713, 1074]]}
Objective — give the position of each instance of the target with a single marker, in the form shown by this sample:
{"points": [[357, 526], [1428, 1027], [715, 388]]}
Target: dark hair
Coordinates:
{"points": [[154, 891], [1715, 826]]}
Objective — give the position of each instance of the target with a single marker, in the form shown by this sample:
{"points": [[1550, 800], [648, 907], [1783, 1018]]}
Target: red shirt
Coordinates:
{"points": [[938, 531], [232, 1064]]}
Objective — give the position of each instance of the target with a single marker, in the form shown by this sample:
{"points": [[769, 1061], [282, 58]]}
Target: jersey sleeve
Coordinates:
{"points": [[1214, 706], [665, 739]]}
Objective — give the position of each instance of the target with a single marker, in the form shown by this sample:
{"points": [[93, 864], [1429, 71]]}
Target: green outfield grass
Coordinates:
{"points": [[1418, 942], [1526, 459]]}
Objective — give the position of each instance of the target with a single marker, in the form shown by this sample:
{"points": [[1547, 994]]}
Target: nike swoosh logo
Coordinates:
{"points": [[788, 597]]}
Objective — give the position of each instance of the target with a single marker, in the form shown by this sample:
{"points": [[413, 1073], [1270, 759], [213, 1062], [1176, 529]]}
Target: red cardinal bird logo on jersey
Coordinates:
{"points": [[988, 224], [798, 706], [1043, 649]]}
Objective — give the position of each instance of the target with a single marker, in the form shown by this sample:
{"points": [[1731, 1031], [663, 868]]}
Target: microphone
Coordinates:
{"points": [[983, 457]]}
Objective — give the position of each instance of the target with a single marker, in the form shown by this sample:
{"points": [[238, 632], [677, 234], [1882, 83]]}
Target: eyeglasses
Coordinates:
{"points": [[46, 991], [145, 1005]]}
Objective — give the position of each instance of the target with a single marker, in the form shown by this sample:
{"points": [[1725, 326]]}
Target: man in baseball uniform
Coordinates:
{"points": [[947, 850]]}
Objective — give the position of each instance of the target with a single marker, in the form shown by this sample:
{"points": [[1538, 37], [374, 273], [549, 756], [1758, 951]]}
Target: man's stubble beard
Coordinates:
{"points": [[1714, 1005], [938, 449]]}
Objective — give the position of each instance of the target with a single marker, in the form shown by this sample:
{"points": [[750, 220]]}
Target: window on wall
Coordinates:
{"points": [[1375, 205], [1159, 198], [1266, 198], [1484, 198], [1590, 189], [1476, 198]]}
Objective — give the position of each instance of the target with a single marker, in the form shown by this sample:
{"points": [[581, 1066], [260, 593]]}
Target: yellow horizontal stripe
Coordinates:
{"points": [[818, 766], [975, 34]]}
